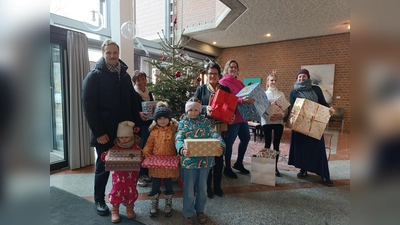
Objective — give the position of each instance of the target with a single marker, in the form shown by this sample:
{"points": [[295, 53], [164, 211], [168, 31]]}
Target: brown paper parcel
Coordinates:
{"points": [[123, 160], [203, 147], [309, 118]]}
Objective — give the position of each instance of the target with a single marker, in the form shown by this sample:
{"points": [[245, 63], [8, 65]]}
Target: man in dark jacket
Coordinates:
{"points": [[108, 99]]}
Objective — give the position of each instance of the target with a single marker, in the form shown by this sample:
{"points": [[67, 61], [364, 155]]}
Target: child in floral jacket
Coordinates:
{"points": [[195, 169]]}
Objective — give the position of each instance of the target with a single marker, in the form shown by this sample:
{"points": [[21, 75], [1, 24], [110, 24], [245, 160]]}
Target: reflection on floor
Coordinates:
{"points": [[291, 201]]}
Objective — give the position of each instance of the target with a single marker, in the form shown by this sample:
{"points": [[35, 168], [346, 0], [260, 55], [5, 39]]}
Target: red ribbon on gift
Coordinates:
{"points": [[224, 106], [280, 107]]}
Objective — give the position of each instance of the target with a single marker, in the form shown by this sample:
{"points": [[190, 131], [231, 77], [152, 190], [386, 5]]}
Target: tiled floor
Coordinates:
{"points": [[291, 201]]}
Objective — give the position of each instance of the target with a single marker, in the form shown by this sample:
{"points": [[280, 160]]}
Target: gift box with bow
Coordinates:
{"points": [[309, 118], [123, 159], [278, 106], [224, 106]]}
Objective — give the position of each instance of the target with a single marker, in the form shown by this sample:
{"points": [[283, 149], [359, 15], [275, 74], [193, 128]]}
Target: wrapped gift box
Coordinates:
{"points": [[123, 159], [161, 161], [148, 107], [203, 147], [309, 118], [224, 106], [266, 153], [255, 110], [278, 106]]}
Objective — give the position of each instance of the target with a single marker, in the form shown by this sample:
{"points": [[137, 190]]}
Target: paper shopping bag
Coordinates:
{"points": [[263, 171]]}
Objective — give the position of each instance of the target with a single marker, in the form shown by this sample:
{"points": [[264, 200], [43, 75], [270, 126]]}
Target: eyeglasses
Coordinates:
{"points": [[212, 74]]}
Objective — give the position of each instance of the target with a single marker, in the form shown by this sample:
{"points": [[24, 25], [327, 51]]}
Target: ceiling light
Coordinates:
{"points": [[268, 35], [214, 43]]}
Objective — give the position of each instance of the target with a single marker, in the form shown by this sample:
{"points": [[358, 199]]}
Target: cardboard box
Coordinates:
{"points": [[149, 107], [309, 118], [161, 161], [123, 160], [224, 106], [203, 147], [255, 110], [278, 106]]}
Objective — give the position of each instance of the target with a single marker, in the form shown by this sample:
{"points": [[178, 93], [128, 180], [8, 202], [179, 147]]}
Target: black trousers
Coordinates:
{"points": [[100, 175], [278, 132]]}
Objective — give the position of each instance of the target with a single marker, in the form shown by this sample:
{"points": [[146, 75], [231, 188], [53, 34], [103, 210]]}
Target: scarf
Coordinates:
{"points": [[126, 145], [212, 91], [304, 90], [145, 95]]}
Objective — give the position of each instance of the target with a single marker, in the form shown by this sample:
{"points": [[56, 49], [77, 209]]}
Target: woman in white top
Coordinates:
{"points": [[273, 122]]}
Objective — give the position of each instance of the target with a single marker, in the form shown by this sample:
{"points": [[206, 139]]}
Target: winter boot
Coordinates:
{"points": [[154, 205], [115, 213], [168, 205], [130, 212], [276, 166]]}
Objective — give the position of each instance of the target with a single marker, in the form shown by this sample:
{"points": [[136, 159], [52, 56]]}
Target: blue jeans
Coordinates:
{"points": [[100, 175], [194, 178], [240, 129]]}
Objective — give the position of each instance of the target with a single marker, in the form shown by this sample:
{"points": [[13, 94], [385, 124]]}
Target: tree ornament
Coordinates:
{"points": [[178, 74], [198, 79], [163, 58], [181, 55]]}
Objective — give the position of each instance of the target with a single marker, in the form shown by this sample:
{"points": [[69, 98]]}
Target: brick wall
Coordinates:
{"points": [[287, 57]]}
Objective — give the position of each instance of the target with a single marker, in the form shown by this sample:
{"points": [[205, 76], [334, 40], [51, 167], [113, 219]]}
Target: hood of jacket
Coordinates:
{"points": [[174, 123]]}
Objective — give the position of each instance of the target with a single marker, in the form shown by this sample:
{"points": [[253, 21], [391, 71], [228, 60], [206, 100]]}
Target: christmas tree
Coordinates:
{"points": [[177, 75]]}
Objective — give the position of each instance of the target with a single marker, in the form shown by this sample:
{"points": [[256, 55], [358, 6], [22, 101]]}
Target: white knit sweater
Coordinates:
{"points": [[272, 94]]}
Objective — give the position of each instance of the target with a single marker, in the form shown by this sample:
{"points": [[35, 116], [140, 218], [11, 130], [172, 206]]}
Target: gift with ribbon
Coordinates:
{"points": [[124, 159], [224, 106], [278, 106], [309, 118]]}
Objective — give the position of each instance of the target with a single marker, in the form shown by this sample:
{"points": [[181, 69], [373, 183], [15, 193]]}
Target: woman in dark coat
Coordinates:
{"points": [[205, 93], [308, 153]]}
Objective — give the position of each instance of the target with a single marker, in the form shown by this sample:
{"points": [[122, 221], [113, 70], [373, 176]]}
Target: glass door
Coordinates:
{"points": [[58, 153]]}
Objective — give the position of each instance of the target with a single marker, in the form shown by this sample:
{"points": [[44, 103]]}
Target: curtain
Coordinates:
{"points": [[80, 152]]}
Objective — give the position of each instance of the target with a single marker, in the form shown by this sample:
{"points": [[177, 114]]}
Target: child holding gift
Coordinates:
{"points": [[123, 182], [161, 142], [195, 169]]}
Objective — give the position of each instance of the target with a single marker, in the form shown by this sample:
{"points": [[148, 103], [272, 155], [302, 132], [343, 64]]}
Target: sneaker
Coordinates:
{"points": [[102, 208], [188, 221], [302, 174], [201, 217], [142, 182], [229, 173], [241, 168]]}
